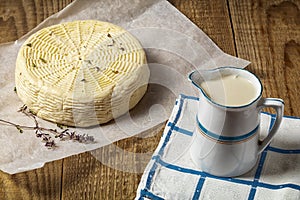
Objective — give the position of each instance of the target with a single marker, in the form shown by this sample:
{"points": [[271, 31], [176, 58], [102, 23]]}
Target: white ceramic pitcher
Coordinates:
{"points": [[226, 138]]}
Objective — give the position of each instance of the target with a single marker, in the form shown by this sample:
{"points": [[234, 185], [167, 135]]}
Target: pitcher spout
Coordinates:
{"points": [[199, 77], [196, 78], [227, 87]]}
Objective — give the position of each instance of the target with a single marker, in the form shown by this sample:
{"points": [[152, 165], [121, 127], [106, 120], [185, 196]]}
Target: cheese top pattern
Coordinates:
{"points": [[81, 73]]}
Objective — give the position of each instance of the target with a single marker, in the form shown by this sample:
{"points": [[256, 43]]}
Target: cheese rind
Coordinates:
{"points": [[81, 73]]}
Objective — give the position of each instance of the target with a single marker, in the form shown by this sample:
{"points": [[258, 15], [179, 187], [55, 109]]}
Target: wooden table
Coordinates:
{"points": [[265, 32]]}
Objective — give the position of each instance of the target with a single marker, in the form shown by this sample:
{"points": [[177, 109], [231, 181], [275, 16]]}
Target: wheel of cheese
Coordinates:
{"points": [[81, 73]]}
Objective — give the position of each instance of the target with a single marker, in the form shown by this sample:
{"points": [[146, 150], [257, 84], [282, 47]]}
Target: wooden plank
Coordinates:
{"points": [[18, 17], [268, 34], [111, 172], [43, 183], [213, 18]]}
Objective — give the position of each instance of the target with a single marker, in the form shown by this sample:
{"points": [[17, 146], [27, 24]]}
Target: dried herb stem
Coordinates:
{"points": [[44, 133], [16, 125]]}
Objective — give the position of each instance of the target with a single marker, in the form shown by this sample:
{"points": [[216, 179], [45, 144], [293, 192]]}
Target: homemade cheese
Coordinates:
{"points": [[81, 73]]}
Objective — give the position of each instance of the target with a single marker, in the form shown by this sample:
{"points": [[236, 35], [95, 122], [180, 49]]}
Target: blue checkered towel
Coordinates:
{"points": [[172, 175]]}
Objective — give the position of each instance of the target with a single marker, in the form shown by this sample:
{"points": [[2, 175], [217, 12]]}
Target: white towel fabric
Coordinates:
{"points": [[172, 175]]}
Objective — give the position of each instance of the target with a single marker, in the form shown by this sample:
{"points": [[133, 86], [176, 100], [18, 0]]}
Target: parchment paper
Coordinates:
{"points": [[174, 47]]}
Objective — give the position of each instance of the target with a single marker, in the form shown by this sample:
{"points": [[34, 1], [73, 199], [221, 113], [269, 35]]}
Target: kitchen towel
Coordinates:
{"points": [[171, 173]]}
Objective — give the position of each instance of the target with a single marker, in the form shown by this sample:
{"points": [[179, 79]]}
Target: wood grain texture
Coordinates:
{"points": [[268, 34], [43, 183], [264, 32], [19, 17], [111, 172], [213, 18]]}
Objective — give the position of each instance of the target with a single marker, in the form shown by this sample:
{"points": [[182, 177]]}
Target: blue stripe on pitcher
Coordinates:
{"points": [[223, 138]]}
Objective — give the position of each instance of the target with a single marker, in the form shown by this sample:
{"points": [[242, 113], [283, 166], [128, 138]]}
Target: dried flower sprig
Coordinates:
{"points": [[47, 134]]}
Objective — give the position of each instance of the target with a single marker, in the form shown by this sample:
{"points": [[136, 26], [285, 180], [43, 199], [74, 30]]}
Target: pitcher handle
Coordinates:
{"points": [[278, 105]]}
